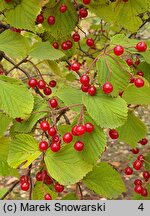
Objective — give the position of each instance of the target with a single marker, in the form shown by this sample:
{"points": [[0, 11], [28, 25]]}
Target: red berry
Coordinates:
{"points": [[138, 189], [90, 42], [135, 151], [137, 62], [75, 66], [52, 83], [52, 131], [53, 103], [146, 174], [56, 139], [138, 182], [47, 197], [84, 80], [141, 46], [128, 171], [25, 186], [51, 20], [47, 91], [39, 176], [141, 158], [107, 88], [76, 37], [67, 138], [43, 146], [79, 146], [58, 187], [64, 45], [84, 88], [86, 1], [138, 82], [143, 141], [69, 44], [63, 8], [40, 18], [74, 133], [83, 12], [132, 79], [140, 73], [80, 130], [137, 164], [55, 45], [48, 180], [41, 84], [23, 179], [55, 147], [44, 125], [92, 90], [32, 82], [89, 127], [144, 192], [7, 1], [129, 62], [19, 119], [118, 50], [113, 134]]}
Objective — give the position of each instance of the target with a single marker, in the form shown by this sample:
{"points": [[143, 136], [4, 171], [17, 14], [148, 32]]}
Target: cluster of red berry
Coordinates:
{"points": [[24, 183]]}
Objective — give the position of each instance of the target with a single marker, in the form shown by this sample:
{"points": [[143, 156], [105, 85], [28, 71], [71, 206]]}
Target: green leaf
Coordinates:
{"points": [[5, 169], [3, 191], [147, 165], [23, 16], [70, 196], [40, 190], [64, 22], [105, 181], [45, 51], [27, 125], [137, 96], [15, 98], [132, 131], [55, 69], [123, 40], [70, 96], [146, 55], [23, 149], [114, 70], [4, 5], [139, 197], [145, 67], [66, 166], [13, 44], [105, 110], [4, 122]]}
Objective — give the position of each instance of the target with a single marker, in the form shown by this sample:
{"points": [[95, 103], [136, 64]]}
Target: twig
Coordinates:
{"points": [[10, 190]]}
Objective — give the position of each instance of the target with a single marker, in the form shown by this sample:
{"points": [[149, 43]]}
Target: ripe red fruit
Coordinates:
{"points": [[43, 146], [85, 88], [23, 179], [113, 134], [90, 42], [128, 171], [39, 176], [53, 103], [48, 180], [140, 73], [146, 174], [40, 18], [55, 147], [138, 189], [51, 20], [132, 79], [19, 119], [80, 130], [63, 8], [86, 1], [141, 158], [47, 91], [32, 82], [69, 44], [56, 139], [135, 151], [44, 125], [41, 84], [75, 66], [25, 186], [107, 88], [58, 187], [137, 164], [84, 80], [143, 141], [79, 146], [138, 82], [137, 62], [138, 182], [55, 45], [76, 37], [144, 192], [52, 131], [7, 1], [67, 138], [129, 62], [92, 90], [64, 45], [118, 50], [83, 12], [47, 197], [89, 127], [74, 133], [141, 46], [52, 83]]}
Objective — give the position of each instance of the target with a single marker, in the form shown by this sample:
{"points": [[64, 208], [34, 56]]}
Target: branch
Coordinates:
{"points": [[10, 190]]}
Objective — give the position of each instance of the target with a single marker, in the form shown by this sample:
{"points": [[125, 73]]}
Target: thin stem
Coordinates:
{"points": [[15, 183]]}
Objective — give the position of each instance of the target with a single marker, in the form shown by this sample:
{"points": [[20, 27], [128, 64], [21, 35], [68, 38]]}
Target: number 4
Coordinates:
{"points": [[141, 207]]}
